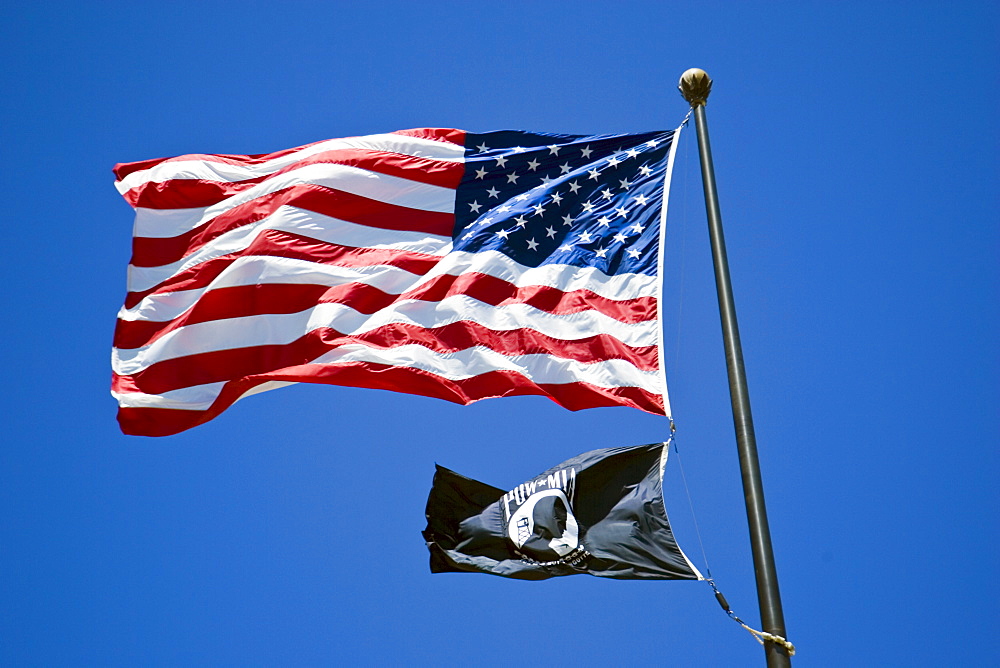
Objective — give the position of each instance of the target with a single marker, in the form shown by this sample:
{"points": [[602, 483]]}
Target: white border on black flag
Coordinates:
{"points": [[664, 452]]}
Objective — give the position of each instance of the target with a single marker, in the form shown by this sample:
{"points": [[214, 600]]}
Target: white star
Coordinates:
{"points": [[557, 198], [539, 209], [467, 236], [545, 181], [567, 219], [483, 147], [501, 161], [594, 174], [481, 173], [493, 192], [588, 207], [646, 170], [601, 252], [519, 149], [586, 237], [606, 193], [604, 221], [475, 206], [641, 199], [553, 149], [485, 221], [638, 228], [653, 143], [503, 234], [586, 151], [521, 221], [566, 169], [625, 183], [574, 186], [550, 232], [533, 164], [532, 244], [620, 238], [503, 209], [621, 211], [512, 177], [521, 197], [632, 152], [633, 253], [565, 247], [613, 161]]}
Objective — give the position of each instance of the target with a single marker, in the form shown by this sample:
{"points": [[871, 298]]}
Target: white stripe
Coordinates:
{"points": [[300, 221], [282, 329], [160, 223], [270, 270], [335, 231], [266, 387], [561, 276], [193, 398], [539, 368], [210, 170]]}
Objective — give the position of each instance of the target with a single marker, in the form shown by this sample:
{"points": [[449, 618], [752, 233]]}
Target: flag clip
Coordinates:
{"points": [[761, 636]]}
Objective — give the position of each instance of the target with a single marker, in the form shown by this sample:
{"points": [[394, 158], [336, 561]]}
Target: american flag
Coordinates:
{"points": [[430, 261]]}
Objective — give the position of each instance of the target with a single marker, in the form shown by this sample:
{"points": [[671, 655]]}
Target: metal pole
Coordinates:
{"points": [[695, 87]]}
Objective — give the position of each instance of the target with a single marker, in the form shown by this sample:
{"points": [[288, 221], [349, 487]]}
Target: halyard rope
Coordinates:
{"points": [[694, 518], [761, 636]]}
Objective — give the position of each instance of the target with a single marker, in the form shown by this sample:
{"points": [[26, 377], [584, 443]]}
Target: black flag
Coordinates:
{"points": [[601, 513]]}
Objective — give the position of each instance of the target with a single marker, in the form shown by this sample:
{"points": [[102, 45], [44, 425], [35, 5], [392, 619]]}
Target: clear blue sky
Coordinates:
{"points": [[856, 154]]}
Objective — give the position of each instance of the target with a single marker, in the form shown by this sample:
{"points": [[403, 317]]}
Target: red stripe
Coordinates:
{"points": [[191, 193], [224, 365], [123, 169], [498, 292], [494, 384], [450, 135], [186, 193], [156, 252], [250, 300], [277, 243]]}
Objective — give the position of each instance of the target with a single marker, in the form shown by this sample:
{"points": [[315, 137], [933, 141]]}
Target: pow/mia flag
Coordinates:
{"points": [[600, 513]]}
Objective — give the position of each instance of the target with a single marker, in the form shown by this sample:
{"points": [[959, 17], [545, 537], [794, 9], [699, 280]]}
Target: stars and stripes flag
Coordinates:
{"points": [[430, 261]]}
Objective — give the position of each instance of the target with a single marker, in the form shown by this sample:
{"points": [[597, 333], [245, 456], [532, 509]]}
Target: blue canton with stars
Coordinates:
{"points": [[581, 200]]}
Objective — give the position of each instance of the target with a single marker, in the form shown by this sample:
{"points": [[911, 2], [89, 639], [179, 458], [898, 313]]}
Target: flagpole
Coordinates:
{"points": [[695, 87]]}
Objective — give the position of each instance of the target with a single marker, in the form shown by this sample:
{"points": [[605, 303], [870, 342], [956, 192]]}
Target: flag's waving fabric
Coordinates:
{"points": [[600, 513], [430, 261]]}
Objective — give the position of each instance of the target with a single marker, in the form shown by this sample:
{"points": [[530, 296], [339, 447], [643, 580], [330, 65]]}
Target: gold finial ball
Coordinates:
{"points": [[695, 86]]}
